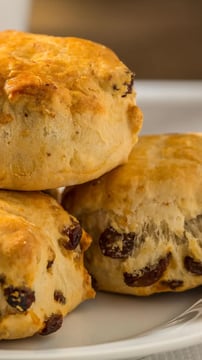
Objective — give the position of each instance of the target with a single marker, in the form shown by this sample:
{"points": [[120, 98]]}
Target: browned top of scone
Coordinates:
{"points": [[31, 63], [67, 111]]}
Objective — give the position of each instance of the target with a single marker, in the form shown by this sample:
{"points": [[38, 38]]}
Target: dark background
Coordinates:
{"points": [[157, 39]]}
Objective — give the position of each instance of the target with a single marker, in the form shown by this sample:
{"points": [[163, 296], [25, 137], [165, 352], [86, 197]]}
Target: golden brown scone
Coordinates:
{"points": [[146, 218], [42, 276], [67, 111]]}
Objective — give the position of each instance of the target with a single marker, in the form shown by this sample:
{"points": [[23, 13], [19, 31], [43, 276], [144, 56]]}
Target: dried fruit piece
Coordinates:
{"points": [[94, 282], [2, 279], [116, 245], [172, 284], [52, 324], [59, 297], [148, 275], [51, 259], [193, 266], [21, 298], [73, 233], [129, 86]]}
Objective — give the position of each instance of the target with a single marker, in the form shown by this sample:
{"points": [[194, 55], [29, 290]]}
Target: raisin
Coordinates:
{"points": [[20, 298], [172, 284], [193, 266], [115, 87], [94, 282], [129, 86], [116, 245], [74, 234], [51, 259], [59, 297], [2, 279], [52, 324], [49, 264], [148, 275]]}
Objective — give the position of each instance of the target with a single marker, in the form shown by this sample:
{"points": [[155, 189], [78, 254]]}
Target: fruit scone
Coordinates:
{"points": [[68, 111], [42, 275], [145, 218]]}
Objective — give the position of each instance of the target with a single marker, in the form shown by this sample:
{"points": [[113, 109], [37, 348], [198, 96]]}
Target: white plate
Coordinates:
{"points": [[123, 327], [117, 327]]}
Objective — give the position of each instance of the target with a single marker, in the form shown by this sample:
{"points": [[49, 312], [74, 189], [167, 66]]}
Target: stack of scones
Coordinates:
{"points": [[130, 221], [67, 116]]}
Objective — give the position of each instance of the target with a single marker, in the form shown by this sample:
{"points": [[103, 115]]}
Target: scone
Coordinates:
{"points": [[42, 275], [67, 111], [145, 218]]}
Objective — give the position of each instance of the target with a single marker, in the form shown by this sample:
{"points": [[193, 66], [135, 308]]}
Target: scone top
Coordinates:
{"points": [[30, 62], [67, 102]]}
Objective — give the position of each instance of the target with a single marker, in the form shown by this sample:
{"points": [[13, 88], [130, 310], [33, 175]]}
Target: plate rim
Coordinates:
{"points": [[128, 348]]}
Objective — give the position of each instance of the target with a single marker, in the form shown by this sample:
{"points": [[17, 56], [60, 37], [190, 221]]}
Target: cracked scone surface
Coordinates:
{"points": [[42, 275], [67, 111], [145, 218]]}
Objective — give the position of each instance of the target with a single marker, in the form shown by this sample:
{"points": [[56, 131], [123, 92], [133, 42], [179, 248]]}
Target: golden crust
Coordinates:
{"points": [[149, 213], [67, 111], [40, 275]]}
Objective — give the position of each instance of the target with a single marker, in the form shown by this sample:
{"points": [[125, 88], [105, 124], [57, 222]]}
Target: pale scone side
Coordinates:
{"points": [[145, 218]]}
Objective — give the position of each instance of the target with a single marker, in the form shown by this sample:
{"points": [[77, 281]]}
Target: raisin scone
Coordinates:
{"points": [[145, 218], [67, 111], [42, 274]]}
